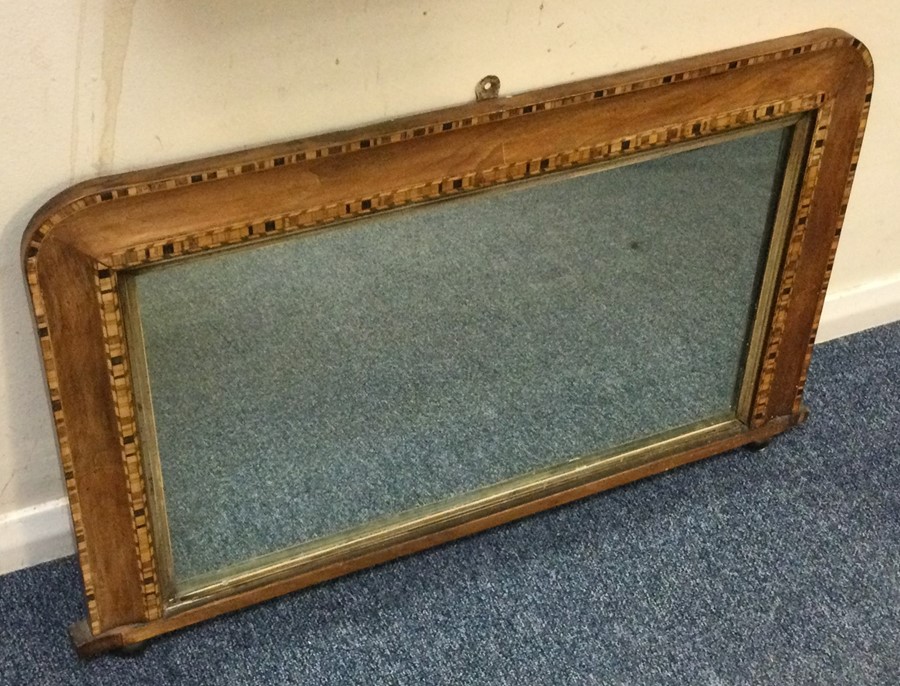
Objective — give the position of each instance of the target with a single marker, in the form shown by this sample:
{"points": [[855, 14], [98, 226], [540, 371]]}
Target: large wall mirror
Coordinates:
{"points": [[317, 356], [302, 392]]}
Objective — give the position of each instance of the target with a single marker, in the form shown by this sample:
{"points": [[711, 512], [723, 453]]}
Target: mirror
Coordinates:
{"points": [[276, 366], [311, 387]]}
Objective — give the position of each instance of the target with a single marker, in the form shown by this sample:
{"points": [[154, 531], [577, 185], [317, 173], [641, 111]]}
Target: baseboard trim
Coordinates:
{"points": [[44, 532], [857, 309], [35, 534]]}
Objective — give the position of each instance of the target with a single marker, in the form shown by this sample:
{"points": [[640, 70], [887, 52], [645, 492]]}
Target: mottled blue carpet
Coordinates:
{"points": [[778, 567]]}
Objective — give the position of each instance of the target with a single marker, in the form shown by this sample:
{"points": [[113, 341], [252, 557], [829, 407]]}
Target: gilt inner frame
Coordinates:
{"points": [[79, 243], [519, 490]]}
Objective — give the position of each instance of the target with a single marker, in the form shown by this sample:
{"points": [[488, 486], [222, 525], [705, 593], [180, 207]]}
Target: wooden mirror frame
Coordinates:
{"points": [[78, 244]]}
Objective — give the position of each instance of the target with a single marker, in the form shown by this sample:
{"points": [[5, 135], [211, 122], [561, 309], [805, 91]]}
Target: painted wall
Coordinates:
{"points": [[98, 86]]}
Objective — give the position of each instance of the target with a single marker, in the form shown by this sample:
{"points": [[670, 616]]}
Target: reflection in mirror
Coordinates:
{"points": [[317, 383]]}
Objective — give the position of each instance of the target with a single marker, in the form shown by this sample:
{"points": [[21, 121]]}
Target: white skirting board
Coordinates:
{"points": [[44, 532], [35, 534], [857, 309]]}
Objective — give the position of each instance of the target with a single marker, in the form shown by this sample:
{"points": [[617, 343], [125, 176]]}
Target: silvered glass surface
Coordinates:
{"points": [[314, 384]]}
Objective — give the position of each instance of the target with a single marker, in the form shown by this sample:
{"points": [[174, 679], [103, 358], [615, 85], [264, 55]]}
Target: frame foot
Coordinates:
{"points": [[87, 644], [132, 649]]}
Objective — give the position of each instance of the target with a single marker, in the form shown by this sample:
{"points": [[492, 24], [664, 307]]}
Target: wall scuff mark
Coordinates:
{"points": [[117, 22], [76, 101]]}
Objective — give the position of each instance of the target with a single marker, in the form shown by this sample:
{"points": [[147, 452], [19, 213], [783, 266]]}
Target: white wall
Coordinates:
{"points": [[98, 86]]}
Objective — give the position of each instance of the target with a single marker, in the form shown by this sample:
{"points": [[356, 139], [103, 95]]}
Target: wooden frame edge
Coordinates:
{"points": [[166, 177]]}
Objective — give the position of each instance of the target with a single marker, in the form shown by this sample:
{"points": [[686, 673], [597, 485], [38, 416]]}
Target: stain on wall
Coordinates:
{"points": [[117, 20]]}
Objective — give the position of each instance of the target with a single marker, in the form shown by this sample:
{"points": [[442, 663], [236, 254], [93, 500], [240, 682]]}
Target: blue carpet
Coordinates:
{"points": [[778, 567]]}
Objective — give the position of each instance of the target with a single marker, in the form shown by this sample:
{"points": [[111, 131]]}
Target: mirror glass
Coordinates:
{"points": [[317, 383]]}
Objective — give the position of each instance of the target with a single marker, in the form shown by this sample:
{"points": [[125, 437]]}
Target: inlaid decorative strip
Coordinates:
{"points": [[317, 217], [798, 398], [65, 449], [759, 414], [437, 128], [117, 365]]}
